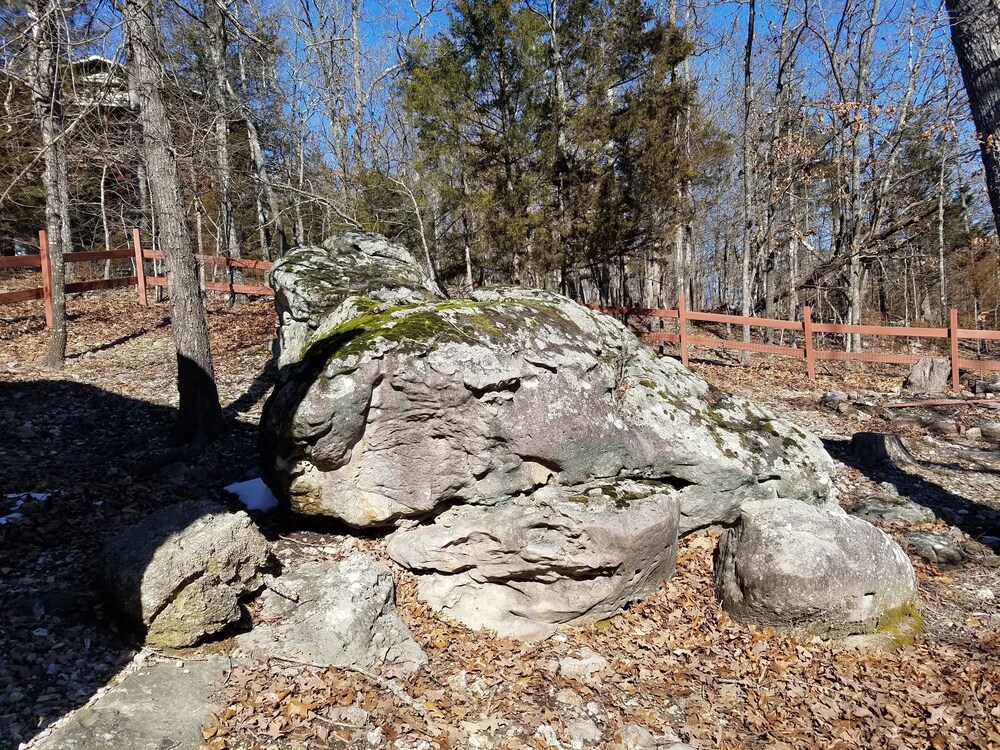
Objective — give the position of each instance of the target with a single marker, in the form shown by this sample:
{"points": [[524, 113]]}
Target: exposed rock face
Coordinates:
{"points": [[484, 418], [182, 571], [525, 566], [345, 616], [928, 376], [310, 283], [156, 707], [400, 413], [814, 569]]}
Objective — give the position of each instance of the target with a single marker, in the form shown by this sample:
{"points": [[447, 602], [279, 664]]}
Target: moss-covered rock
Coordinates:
{"points": [[399, 404], [346, 276]]}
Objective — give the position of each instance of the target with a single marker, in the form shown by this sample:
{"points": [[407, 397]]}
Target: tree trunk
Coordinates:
{"points": [[267, 201], [748, 106], [217, 45], [975, 32], [199, 412], [46, 91]]}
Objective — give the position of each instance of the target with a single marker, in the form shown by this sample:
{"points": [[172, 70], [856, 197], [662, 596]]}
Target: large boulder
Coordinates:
{"points": [[817, 570], [181, 572], [406, 411], [341, 614], [311, 283], [474, 424], [526, 566]]}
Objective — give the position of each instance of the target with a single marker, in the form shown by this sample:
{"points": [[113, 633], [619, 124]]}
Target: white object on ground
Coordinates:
{"points": [[254, 494], [19, 498]]}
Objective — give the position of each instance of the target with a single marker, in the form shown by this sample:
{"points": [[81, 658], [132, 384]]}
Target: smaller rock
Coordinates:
{"points": [[928, 376], [943, 427], [582, 733], [584, 667], [344, 616], [845, 409], [182, 571], [990, 431], [892, 511], [974, 433], [985, 594], [833, 399], [818, 570], [942, 548], [635, 737]]}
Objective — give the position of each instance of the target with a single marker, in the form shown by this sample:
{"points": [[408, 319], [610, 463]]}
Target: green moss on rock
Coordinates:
{"points": [[901, 625]]}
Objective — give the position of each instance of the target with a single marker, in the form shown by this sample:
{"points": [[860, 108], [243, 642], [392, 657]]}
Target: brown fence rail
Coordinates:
{"points": [[807, 329], [138, 255]]}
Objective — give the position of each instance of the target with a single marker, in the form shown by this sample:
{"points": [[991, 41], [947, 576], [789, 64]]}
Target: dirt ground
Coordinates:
{"points": [[85, 441]]}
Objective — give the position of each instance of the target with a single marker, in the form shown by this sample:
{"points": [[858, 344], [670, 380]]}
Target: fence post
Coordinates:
{"points": [[43, 255], [956, 385], [682, 333], [807, 341], [140, 267]]}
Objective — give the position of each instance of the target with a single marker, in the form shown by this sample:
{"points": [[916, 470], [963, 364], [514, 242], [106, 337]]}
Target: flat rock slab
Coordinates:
{"points": [[159, 707], [893, 511]]}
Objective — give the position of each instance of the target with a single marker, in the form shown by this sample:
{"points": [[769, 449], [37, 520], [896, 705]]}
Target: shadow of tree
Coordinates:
{"points": [[74, 446], [975, 519]]}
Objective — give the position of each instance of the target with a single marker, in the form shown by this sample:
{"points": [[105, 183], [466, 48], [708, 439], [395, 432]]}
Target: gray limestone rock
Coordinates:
{"points": [[990, 431], [944, 548], [583, 733], [833, 399], [540, 561], [344, 616], [182, 571], [403, 413], [583, 665], [892, 510], [159, 706], [817, 570], [929, 375], [354, 272], [484, 418]]}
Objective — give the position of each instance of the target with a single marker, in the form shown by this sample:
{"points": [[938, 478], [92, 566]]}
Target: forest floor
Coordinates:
{"points": [[84, 440]]}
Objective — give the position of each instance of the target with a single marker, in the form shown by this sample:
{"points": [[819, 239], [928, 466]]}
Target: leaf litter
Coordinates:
{"points": [[676, 663]]}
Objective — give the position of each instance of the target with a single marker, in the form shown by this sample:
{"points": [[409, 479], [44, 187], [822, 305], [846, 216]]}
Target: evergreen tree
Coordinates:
{"points": [[550, 135]]}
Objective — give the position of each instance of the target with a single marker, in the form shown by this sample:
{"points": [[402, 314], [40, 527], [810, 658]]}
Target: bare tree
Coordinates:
{"points": [[975, 32], [199, 412], [45, 53]]}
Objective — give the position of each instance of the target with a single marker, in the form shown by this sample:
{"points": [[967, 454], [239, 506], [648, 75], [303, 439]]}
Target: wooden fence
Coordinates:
{"points": [[806, 329], [139, 279]]}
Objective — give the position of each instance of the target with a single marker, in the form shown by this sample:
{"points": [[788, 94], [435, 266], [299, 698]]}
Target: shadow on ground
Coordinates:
{"points": [[75, 447], [974, 518]]}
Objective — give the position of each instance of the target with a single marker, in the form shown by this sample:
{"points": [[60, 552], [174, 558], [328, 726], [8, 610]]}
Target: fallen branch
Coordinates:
{"points": [[952, 402]]}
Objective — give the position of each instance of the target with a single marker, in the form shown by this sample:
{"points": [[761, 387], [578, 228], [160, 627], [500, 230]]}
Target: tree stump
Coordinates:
{"points": [[872, 449]]}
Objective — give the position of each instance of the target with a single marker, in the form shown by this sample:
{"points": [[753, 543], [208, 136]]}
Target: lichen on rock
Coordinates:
{"points": [[423, 412]]}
